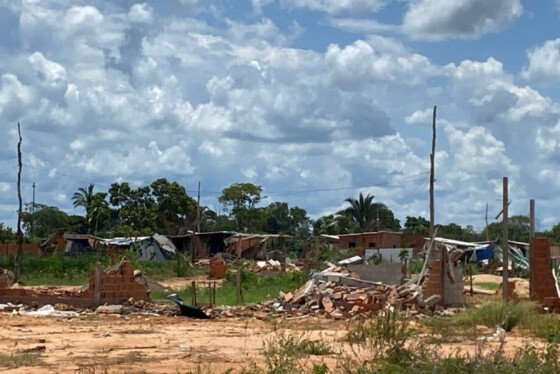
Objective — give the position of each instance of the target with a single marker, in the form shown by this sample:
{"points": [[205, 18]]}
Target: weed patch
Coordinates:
{"points": [[256, 288], [17, 360], [492, 286]]}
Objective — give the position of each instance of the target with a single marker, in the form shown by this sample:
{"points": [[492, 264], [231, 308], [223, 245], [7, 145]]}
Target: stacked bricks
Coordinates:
{"points": [[433, 284], [118, 283], [217, 269], [544, 286]]}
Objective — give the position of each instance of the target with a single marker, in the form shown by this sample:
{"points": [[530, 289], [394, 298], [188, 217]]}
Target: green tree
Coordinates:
{"points": [[7, 235], [333, 225], [240, 200], [416, 225], [555, 233], [48, 219], [100, 213], [83, 198], [363, 212], [451, 231], [279, 218], [518, 229], [175, 210]]}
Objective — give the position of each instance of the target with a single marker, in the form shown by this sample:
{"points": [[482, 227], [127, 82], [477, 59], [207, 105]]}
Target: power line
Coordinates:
{"points": [[411, 178], [407, 179]]}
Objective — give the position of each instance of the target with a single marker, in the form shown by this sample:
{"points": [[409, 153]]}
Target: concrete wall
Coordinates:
{"points": [[386, 273]]}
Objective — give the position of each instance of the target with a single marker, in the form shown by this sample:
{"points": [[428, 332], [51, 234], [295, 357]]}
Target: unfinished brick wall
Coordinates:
{"points": [[444, 277], [116, 285], [7, 249], [544, 284], [433, 284]]}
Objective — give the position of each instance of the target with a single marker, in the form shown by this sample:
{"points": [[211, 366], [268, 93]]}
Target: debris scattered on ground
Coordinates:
{"points": [[50, 311], [187, 310]]}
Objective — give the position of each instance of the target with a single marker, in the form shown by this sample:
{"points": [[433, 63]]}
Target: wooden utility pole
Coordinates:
{"points": [[238, 291], [19, 253], [432, 160], [486, 218], [531, 247], [198, 209], [505, 241]]}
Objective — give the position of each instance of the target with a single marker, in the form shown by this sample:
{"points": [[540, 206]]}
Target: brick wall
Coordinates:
{"points": [[11, 249], [433, 284], [443, 278], [544, 285], [117, 284]]}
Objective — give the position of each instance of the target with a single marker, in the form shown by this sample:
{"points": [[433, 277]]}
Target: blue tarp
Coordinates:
{"points": [[482, 253]]}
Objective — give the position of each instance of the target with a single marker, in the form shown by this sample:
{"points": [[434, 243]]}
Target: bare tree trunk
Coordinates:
{"points": [[19, 254]]}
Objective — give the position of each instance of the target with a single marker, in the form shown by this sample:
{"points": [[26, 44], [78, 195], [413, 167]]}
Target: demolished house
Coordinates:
{"points": [[70, 244], [148, 248], [257, 246]]}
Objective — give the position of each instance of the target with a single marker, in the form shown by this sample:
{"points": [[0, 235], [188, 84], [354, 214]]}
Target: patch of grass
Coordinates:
{"points": [[61, 270], [492, 286], [256, 288], [506, 316], [17, 360], [287, 353], [444, 330]]}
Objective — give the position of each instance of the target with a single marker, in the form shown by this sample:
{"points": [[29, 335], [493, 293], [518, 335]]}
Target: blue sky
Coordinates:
{"points": [[299, 96]]}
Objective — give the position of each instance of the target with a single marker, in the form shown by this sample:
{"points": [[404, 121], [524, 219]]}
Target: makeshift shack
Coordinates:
{"points": [[148, 248]]}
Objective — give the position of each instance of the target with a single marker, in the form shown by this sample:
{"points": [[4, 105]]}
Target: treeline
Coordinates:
{"points": [[166, 208]]}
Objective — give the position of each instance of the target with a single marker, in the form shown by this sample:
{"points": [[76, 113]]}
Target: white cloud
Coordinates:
{"points": [[338, 6], [544, 63], [53, 73], [420, 117], [235, 100], [140, 13], [360, 64], [469, 19]]}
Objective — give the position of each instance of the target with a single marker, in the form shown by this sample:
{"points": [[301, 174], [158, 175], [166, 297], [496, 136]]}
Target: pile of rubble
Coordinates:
{"points": [[335, 293]]}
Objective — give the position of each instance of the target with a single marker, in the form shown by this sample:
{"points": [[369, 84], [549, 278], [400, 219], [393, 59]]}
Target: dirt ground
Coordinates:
{"points": [[154, 344]]}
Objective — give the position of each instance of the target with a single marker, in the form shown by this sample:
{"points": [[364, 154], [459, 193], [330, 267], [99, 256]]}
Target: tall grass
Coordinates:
{"points": [[255, 288], [56, 269]]}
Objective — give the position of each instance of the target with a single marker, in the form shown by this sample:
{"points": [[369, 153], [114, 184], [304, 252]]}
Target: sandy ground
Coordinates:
{"points": [[142, 343], [152, 344]]}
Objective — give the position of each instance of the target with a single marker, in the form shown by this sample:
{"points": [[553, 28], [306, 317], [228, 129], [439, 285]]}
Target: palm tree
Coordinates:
{"points": [[84, 198], [363, 211]]}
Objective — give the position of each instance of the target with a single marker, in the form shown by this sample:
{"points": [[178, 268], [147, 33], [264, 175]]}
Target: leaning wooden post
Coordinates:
{"points": [[531, 247], [239, 273], [19, 253], [505, 241]]}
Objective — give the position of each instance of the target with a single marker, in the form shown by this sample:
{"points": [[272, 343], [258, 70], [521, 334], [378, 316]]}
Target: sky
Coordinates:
{"points": [[314, 100]]}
